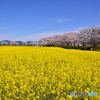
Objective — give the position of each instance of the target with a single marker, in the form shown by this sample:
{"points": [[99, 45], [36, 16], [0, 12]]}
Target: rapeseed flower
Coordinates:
{"points": [[36, 73]]}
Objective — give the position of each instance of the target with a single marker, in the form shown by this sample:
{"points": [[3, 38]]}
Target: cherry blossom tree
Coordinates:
{"points": [[33, 43], [70, 38], [13, 43], [24, 43], [4, 43], [43, 41], [91, 34], [56, 39]]}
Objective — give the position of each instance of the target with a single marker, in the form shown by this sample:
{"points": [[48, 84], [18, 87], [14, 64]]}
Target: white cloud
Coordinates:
{"points": [[51, 34], [67, 19], [63, 20], [35, 37], [4, 37], [38, 29]]}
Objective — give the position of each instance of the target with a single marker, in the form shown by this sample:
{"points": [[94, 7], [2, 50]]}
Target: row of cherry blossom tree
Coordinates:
{"points": [[14, 43], [89, 35]]}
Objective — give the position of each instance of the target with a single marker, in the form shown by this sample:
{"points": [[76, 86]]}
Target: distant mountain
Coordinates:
{"points": [[29, 42], [20, 42], [6, 41]]}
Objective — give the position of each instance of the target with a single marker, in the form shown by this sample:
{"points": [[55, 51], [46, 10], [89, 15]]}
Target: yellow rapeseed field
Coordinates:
{"points": [[48, 73]]}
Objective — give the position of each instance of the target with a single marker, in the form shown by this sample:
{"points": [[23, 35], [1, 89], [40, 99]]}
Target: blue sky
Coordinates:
{"points": [[31, 20]]}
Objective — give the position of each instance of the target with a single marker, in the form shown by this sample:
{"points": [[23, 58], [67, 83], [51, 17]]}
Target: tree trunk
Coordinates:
{"points": [[71, 44], [67, 44], [74, 44], [94, 44], [83, 44]]}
